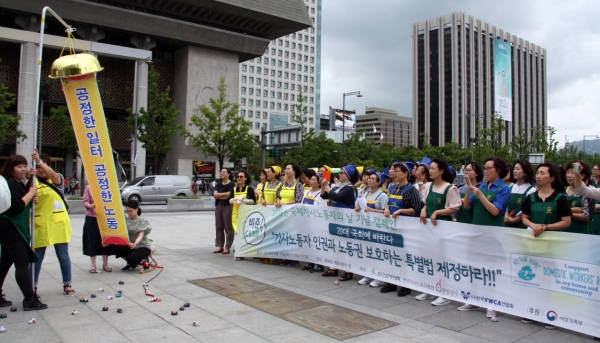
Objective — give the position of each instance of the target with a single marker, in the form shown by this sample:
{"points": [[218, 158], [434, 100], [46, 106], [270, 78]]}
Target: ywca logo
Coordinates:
{"points": [[465, 295], [551, 315]]}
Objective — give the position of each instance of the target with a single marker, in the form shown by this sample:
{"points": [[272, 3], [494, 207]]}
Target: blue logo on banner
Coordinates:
{"points": [[367, 235], [526, 273], [551, 316]]}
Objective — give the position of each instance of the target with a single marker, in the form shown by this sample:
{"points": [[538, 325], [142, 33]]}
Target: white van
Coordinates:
{"points": [[156, 188]]}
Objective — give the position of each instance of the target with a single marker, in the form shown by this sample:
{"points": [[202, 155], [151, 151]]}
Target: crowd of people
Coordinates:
{"points": [[549, 198], [53, 228]]}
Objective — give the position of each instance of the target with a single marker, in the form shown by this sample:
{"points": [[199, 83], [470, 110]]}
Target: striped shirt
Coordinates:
{"points": [[411, 198]]}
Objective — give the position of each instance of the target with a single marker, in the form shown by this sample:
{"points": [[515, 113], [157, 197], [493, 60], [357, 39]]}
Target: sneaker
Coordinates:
{"points": [[376, 283], [440, 302], [4, 302], [319, 268], [403, 291], [308, 266], [424, 296], [388, 287], [490, 313], [365, 281], [526, 321], [33, 304], [550, 327], [468, 307]]}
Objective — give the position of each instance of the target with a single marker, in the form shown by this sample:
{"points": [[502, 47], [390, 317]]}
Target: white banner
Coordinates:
{"points": [[551, 279]]}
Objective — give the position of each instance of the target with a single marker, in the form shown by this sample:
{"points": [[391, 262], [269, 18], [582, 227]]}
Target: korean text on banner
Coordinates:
{"points": [[554, 278], [89, 123]]}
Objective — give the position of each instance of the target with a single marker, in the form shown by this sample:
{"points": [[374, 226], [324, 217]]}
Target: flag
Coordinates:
{"points": [[374, 129], [381, 137]]}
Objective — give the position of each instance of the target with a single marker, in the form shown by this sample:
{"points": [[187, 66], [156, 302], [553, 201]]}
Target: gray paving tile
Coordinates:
{"points": [[29, 333], [96, 332], [455, 320], [555, 336], [379, 301], [507, 329], [160, 334], [235, 334], [377, 337], [415, 310]]}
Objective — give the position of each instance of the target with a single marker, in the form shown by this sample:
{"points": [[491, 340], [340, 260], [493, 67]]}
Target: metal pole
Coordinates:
{"points": [[135, 126], [37, 113], [263, 146], [343, 126], [41, 119]]}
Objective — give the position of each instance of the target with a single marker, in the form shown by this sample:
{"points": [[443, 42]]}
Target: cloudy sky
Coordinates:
{"points": [[366, 46]]}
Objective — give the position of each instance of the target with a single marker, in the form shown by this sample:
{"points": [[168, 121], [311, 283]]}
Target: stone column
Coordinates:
{"points": [[26, 100], [141, 92]]}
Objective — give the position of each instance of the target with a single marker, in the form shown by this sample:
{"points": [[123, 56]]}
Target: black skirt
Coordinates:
{"points": [[92, 241]]}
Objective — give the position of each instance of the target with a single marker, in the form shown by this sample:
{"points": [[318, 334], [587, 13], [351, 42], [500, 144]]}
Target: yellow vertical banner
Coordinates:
{"points": [[89, 123]]}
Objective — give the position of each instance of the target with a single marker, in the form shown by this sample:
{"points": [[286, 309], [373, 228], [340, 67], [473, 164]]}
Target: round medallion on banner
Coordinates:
{"points": [[254, 228]]}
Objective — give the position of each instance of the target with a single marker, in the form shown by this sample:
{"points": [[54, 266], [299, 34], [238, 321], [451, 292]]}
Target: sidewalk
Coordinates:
{"points": [[185, 242]]}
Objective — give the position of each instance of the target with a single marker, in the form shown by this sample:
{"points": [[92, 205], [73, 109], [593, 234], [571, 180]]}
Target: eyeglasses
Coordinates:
{"points": [[241, 176], [489, 168], [468, 170]]}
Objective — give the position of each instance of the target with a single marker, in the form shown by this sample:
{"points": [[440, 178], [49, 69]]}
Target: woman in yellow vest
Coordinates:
{"points": [[258, 191], [269, 193], [242, 194], [52, 223], [290, 192]]}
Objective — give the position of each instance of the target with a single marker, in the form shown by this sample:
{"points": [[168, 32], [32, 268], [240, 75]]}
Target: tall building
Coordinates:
{"points": [[389, 126], [270, 84], [465, 70]]}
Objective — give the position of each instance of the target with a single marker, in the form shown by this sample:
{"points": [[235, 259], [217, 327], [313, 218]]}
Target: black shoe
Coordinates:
{"points": [[308, 266], [292, 263], [403, 291], [33, 304], [4, 302], [127, 267], [319, 268], [388, 287]]}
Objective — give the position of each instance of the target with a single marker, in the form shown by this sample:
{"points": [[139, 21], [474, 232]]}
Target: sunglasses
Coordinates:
{"points": [[241, 176]]}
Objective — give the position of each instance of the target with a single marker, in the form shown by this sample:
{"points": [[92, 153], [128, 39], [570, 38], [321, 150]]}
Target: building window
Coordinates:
{"points": [[250, 103], [312, 90], [285, 107], [265, 103], [306, 38], [287, 43], [250, 113], [257, 60], [285, 85], [305, 78], [243, 90], [265, 116], [258, 70], [258, 81], [312, 70], [266, 60], [279, 63], [293, 88], [293, 35], [279, 73], [266, 71], [273, 94], [243, 113], [287, 64], [306, 69], [258, 92], [278, 95], [306, 48], [250, 91], [244, 67], [265, 93], [272, 105], [312, 10], [312, 40], [273, 51], [293, 47], [258, 114], [278, 84], [279, 52], [257, 125], [265, 125], [293, 66], [279, 106], [293, 55], [273, 62], [287, 54], [266, 82], [311, 100], [300, 47], [251, 80], [299, 36], [310, 121], [312, 59], [272, 83], [280, 42], [292, 96], [305, 58], [305, 90], [243, 78], [243, 101], [312, 79], [312, 50], [252, 69], [272, 72], [286, 75], [311, 110], [312, 29]]}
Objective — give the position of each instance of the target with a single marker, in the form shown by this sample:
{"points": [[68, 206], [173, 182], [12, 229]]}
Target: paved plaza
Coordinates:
{"points": [[185, 242]]}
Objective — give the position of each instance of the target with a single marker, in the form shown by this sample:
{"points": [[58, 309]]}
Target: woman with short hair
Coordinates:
{"points": [[582, 207], [223, 226], [523, 175], [242, 194]]}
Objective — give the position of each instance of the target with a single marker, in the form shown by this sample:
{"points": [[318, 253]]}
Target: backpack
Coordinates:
{"points": [[4, 195]]}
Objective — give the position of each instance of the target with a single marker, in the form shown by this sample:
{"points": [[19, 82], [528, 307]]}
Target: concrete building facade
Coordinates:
{"points": [[453, 80], [193, 44], [271, 83], [395, 130]]}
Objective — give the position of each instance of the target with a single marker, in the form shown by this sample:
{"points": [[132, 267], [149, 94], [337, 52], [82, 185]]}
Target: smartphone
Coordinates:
{"points": [[576, 168], [468, 182]]}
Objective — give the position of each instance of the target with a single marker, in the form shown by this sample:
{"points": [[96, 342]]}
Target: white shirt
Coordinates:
{"points": [[317, 195]]}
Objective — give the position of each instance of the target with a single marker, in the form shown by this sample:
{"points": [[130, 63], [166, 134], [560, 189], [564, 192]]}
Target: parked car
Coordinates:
{"points": [[156, 188]]}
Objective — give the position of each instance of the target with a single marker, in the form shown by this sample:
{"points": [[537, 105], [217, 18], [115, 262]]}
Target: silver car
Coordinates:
{"points": [[156, 188]]}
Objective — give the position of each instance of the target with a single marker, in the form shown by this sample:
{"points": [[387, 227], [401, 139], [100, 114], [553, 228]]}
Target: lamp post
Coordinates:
{"points": [[470, 139], [358, 95], [593, 136], [147, 60]]}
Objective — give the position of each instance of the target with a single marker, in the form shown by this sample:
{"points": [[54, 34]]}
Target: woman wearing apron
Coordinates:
{"points": [[523, 174], [242, 194], [344, 196], [547, 208], [404, 201], [15, 233], [269, 196], [442, 201], [582, 207], [312, 196], [474, 174], [290, 192], [259, 187], [489, 202]]}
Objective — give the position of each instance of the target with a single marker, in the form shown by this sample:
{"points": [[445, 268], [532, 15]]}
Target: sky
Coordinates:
{"points": [[366, 47]]}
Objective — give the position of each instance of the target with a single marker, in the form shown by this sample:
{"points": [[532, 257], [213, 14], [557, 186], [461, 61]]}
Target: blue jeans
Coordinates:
{"points": [[62, 253]]}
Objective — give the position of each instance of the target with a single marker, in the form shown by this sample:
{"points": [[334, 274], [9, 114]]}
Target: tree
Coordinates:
{"points": [[221, 132], [317, 150], [298, 116], [157, 124], [66, 133], [8, 122]]}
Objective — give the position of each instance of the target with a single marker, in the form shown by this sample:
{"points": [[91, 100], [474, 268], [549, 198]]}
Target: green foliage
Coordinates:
{"points": [[221, 132], [317, 150], [66, 133], [158, 123], [8, 122]]}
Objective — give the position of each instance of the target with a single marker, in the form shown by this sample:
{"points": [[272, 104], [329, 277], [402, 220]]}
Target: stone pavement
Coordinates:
{"points": [[185, 244]]}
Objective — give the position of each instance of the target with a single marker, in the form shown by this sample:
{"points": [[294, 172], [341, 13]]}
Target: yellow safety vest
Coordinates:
{"points": [[270, 194], [288, 194], [259, 189], [234, 212], [52, 223]]}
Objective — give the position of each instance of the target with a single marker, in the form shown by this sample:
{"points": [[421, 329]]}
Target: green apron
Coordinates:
{"points": [[544, 212], [481, 216], [21, 222], [464, 215], [436, 201], [515, 202], [576, 225], [595, 224]]}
